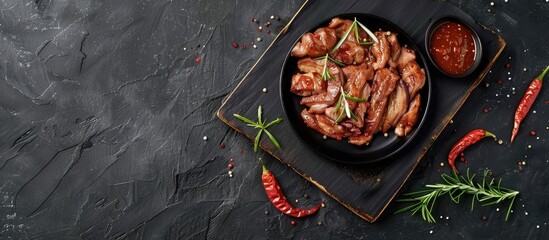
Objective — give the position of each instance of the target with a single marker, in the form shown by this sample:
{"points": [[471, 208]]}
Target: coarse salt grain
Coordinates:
{"points": [[205, 138], [264, 90]]}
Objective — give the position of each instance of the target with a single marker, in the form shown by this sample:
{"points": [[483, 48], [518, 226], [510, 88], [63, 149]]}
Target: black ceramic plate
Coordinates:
{"points": [[381, 147]]}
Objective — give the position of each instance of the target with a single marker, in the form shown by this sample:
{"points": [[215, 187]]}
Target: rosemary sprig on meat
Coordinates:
{"points": [[325, 73], [343, 97], [354, 27], [262, 127], [487, 193]]}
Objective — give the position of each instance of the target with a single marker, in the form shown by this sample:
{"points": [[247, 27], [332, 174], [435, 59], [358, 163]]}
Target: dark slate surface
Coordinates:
{"points": [[103, 111], [367, 189]]}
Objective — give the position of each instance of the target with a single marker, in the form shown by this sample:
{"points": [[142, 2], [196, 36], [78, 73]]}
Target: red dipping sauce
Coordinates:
{"points": [[452, 48]]}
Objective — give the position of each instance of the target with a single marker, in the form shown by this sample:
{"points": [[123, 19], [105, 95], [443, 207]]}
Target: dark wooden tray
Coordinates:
{"points": [[367, 189]]}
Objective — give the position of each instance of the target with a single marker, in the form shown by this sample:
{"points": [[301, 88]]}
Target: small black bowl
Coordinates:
{"points": [[381, 148], [478, 45]]}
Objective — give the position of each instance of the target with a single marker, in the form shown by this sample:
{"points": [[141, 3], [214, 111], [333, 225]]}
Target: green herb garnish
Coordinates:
{"points": [[343, 97], [354, 27], [262, 127], [487, 193], [325, 73]]}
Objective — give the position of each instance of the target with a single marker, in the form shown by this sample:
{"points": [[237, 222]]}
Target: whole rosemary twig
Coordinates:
{"points": [[487, 193], [262, 127]]}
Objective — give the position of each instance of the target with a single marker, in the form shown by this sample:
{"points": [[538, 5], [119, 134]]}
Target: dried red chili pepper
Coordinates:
{"points": [[526, 102], [277, 197], [469, 139]]}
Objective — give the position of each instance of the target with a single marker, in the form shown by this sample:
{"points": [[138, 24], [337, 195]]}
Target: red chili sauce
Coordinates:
{"points": [[453, 48]]}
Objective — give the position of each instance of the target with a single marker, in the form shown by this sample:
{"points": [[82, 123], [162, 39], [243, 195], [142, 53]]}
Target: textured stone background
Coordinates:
{"points": [[103, 110]]}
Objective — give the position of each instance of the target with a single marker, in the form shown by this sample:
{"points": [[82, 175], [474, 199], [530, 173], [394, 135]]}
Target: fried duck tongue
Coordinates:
{"points": [[384, 83]]}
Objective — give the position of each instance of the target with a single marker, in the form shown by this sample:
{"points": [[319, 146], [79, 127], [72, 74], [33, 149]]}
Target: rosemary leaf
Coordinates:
{"points": [[355, 99], [276, 121], [277, 145], [244, 119], [336, 62], [256, 140]]}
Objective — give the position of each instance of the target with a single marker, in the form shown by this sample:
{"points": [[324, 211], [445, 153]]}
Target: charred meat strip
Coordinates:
{"points": [[384, 83]]}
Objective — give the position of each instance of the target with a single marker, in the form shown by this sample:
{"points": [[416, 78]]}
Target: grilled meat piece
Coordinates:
{"points": [[308, 84], [395, 49], [350, 53], [409, 119], [324, 125], [381, 51], [398, 103], [357, 76], [384, 83], [406, 56], [319, 102], [315, 45], [414, 77]]}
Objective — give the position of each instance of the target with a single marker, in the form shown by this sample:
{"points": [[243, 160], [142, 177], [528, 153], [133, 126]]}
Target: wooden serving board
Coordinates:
{"points": [[366, 190]]}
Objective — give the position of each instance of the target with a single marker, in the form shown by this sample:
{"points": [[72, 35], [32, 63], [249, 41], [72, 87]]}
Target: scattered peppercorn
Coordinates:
{"points": [[268, 32], [500, 82], [507, 65], [243, 46], [485, 110], [532, 133], [293, 222], [267, 23], [198, 59], [222, 145], [230, 166], [255, 20], [235, 45]]}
